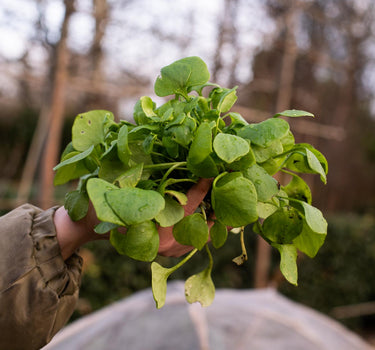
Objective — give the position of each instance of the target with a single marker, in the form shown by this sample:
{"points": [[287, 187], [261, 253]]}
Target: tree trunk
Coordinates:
{"points": [[56, 112]]}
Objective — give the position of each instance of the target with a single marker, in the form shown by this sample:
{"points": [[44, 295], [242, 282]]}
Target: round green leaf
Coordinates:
{"points": [[172, 213], [77, 204], [96, 189], [264, 183], [229, 147], [218, 234], [205, 169], [191, 230], [263, 134], [309, 242], [314, 218], [234, 200], [180, 75], [200, 288], [135, 205], [283, 225], [140, 242]]}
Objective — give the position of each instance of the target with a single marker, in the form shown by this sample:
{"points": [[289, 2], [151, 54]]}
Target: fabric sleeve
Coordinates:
{"points": [[38, 289]]}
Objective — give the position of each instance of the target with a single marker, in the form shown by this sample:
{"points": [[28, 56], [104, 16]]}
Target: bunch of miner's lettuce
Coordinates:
{"points": [[137, 176]]}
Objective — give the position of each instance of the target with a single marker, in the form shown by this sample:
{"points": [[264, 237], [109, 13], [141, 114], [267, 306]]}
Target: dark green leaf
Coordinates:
{"points": [[201, 146], [123, 150], [77, 204], [218, 234], [70, 171], [206, 169], [283, 225], [111, 169]]}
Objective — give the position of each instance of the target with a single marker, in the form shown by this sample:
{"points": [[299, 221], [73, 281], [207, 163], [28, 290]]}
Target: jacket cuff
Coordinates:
{"points": [[63, 277]]}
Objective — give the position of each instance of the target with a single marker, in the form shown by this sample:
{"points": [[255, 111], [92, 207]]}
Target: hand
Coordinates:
{"points": [[168, 246], [73, 234]]}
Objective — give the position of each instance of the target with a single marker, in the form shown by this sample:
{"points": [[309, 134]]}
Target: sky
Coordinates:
{"points": [[129, 41]]}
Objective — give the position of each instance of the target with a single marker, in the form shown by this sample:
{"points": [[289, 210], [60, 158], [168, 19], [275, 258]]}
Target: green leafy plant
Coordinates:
{"points": [[137, 175]]}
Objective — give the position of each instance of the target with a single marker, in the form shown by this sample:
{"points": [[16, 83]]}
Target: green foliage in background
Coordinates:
{"points": [[342, 273]]}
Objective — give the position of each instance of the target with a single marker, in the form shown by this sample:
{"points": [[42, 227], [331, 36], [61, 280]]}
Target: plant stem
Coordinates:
{"points": [[239, 260], [162, 165], [183, 261]]}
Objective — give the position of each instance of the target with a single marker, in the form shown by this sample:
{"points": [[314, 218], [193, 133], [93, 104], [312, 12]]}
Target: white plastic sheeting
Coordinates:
{"points": [[237, 319]]}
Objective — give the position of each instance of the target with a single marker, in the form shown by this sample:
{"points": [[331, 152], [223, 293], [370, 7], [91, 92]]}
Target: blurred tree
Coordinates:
{"points": [[322, 72], [56, 109]]}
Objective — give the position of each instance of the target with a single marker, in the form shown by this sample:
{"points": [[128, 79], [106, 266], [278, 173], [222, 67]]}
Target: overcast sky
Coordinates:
{"points": [[129, 42]]}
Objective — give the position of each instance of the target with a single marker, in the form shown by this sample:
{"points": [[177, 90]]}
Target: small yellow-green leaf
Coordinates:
{"points": [[200, 288], [160, 275], [288, 261], [309, 242], [130, 177]]}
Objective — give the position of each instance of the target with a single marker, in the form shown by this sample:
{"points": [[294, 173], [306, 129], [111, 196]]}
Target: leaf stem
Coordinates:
{"points": [[211, 261], [183, 261], [239, 260], [162, 165], [173, 167]]}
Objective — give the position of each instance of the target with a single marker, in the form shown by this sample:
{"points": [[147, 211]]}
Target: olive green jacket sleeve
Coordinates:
{"points": [[38, 290]]}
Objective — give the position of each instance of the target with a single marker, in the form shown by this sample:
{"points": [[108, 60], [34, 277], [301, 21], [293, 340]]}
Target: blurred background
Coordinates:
{"points": [[62, 57]]}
